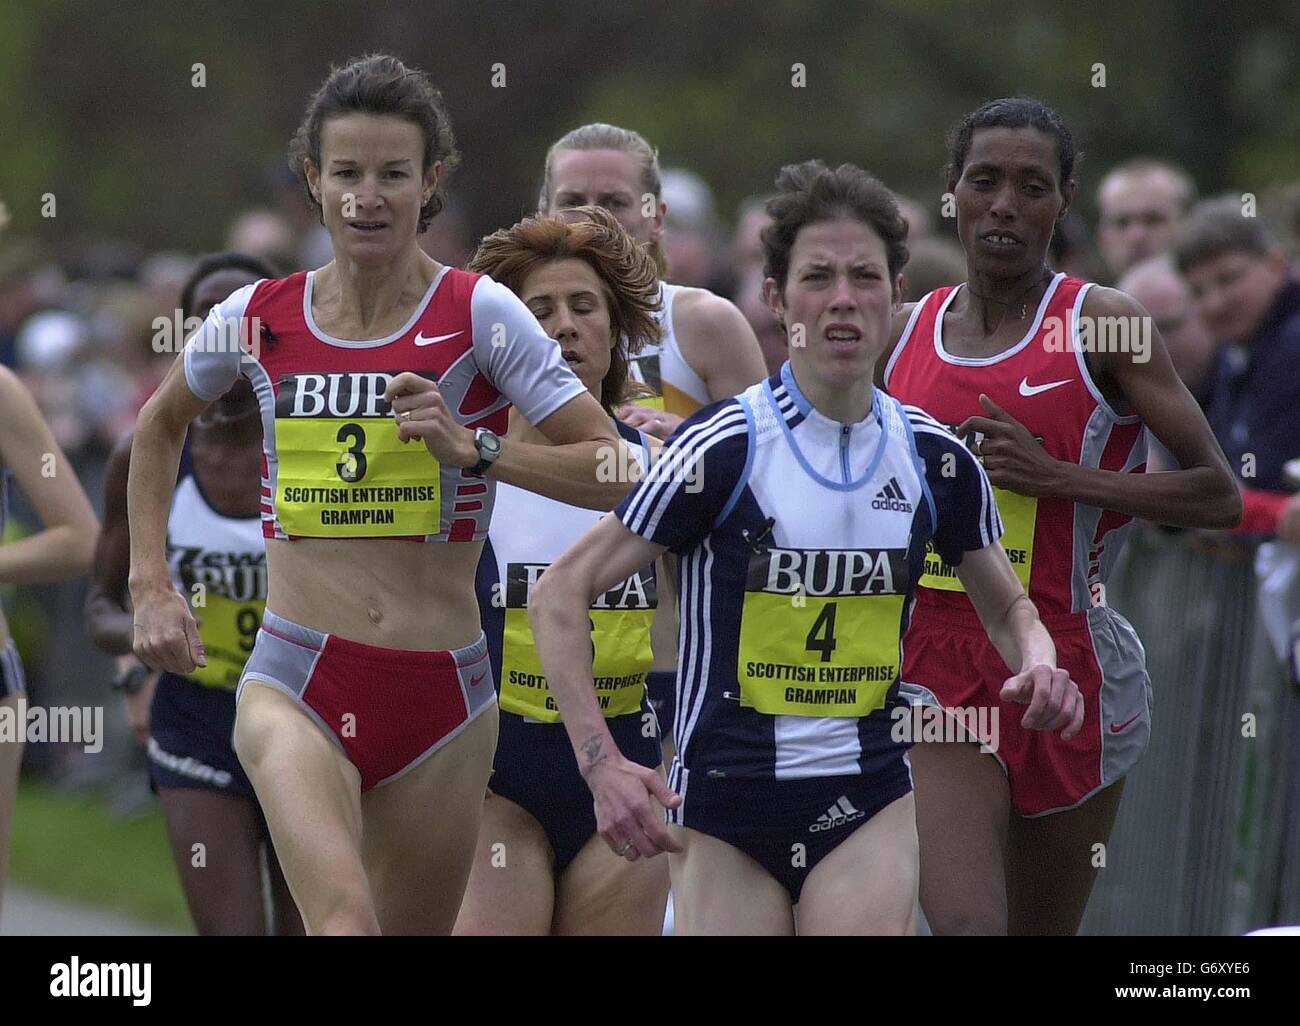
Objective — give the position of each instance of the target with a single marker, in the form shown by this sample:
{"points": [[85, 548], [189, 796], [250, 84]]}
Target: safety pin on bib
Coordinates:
{"points": [[756, 542]]}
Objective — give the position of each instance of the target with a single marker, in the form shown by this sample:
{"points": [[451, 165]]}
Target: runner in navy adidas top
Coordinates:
{"points": [[800, 511]]}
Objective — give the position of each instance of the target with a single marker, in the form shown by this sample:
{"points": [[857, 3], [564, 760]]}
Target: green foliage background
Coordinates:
{"points": [[96, 102]]}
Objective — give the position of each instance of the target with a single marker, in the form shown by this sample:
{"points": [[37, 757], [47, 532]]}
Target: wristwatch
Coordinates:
{"points": [[131, 679], [489, 448]]}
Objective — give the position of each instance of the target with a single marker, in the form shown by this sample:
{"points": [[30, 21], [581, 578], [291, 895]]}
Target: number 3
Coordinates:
{"points": [[353, 469]]}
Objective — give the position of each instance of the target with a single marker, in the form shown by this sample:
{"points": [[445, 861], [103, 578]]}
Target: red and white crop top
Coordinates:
{"points": [[332, 465]]}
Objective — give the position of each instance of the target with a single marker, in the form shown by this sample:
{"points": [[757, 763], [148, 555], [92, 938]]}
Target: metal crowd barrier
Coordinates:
{"points": [[1207, 839]]}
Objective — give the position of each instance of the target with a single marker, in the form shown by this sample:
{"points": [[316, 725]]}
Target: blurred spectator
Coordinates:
{"points": [[1071, 249], [1243, 293], [931, 264], [747, 243], [264, 234], [102, 260], [1280, 207], [123, 324], [747, 269], [28, 282], [1141, 205], [311, 247], [771, 336], [1156, 284], [80, 396], [162, 276], [692, 236], [450, 239], [917, 216]]}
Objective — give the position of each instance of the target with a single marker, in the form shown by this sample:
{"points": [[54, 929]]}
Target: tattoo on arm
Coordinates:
{"points": [[1006, 613], [591, 748]]}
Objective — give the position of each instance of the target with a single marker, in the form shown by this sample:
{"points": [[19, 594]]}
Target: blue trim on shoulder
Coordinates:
{"points": [[920, 467], [825, 482], [801, 402], [751, 433]]}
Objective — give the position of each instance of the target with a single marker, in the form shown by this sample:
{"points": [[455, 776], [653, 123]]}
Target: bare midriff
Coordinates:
{"points": [[395, 594]]}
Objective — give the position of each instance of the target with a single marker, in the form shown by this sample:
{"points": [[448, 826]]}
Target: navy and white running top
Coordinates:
{"points": [[218, 564], [801, 540]]}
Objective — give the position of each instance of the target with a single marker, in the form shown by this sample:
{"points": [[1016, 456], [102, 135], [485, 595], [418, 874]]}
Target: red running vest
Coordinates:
{"points": [[1062, 551]]}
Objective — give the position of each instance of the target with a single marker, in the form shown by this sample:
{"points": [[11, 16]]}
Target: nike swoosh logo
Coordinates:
{"points": [[420, 340], [1026, 389], [1116, 728], [477, 680]]}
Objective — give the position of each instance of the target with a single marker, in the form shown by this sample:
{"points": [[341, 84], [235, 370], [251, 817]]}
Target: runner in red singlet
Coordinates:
{"points": [[1053, 381], [366, 714]]}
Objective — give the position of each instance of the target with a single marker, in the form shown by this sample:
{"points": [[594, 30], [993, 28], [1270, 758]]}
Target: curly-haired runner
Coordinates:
{"points": [[541, 867]]}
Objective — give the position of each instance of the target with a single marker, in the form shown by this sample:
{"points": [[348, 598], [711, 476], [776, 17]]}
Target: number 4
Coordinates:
{"points": [[825, 623]]}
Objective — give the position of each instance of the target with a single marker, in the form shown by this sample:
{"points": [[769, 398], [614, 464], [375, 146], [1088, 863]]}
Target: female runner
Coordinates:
{"points": [[366, 716]]}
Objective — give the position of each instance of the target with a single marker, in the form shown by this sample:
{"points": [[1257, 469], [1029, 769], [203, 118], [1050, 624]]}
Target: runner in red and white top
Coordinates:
{"points": [[366, 715], [1054, 382]]}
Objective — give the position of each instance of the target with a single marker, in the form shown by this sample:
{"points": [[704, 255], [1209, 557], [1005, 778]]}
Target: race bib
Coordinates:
{"points": [[644, 371], [227, 629], [819, 630], [343, 472], [226, 592], [1019, 515], [620, 638]]}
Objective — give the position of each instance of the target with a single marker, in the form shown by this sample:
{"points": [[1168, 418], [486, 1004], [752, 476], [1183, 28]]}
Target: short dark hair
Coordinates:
{"points": [[1011, 112], [379, 84], [1218, 226], [810, 192], [214, 262]]}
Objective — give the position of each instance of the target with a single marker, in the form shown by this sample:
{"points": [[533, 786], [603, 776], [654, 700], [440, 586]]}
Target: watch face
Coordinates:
{"points": [[489, 442]]}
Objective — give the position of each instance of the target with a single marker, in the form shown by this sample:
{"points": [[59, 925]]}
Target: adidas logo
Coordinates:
{"points": [[836, 816], [891, 497]]}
